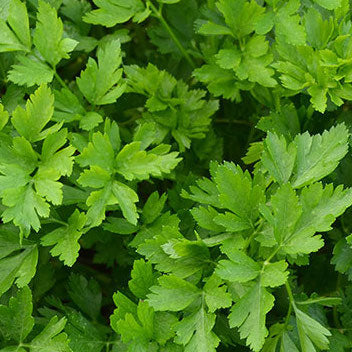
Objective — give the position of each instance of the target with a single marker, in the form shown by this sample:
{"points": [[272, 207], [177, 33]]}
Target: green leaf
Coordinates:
{"points": [[265, 23], [238, 194], [205, 217], [322, 205], [15, 35], [126, 198], [67, 106], [86, 294], [153, 207], [30, 123], [16, 320], [30, 71], [314, 211], [9, 240], [220, 82], [173, 107], [124, 305], [4, 117], [216, 295], [101, 82], [285, 123], [16, 191], [54, 156], [329, 4], [97, 202], [319, 31], [20, 267], [162, 297], [278, 158], [164, 246], [311, 333], [137, 328], [342, 258], [142, 329], [231, 222], [51, 338], [319, 155], [134, 163], [191, 254], [195, 332], [241, 16], [65, 239], [95, 177], [288, 26], [274, 274], [255, 62], [249, 315], [205, 192], [164, 330], [119, 226], [339, 342], [142, 278], [24, 207], [210, 28], [90, 120], [286, 211], [47, 37], [308, 158], [318, 97], [84, 336], [240, 267], [19, 23], [228, 58], [99, 152], [112, 12], [46, 185]]}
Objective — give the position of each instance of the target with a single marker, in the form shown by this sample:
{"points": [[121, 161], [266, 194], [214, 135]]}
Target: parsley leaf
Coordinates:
{"points": [[47, 37], [15, 34], [101, 83], [65, 239], [111, 12]]}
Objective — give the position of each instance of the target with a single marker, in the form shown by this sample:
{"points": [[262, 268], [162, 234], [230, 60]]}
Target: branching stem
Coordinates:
{"points": [[159, 15], [54, 221], [291, 303], [60, 80]]}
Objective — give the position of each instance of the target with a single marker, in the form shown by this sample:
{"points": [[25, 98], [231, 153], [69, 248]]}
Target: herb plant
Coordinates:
{"points": [[175, 175]]}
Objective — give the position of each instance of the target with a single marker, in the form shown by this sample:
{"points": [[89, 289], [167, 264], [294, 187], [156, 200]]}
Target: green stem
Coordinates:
{"points": [[53, 220], [131, 120], [272, 255], [335, 313], [60, 80], [250, 136], [173, 36], [287, 319], [290, 294], [238, 122], [252, 236], [242, 43], [291, 303]]}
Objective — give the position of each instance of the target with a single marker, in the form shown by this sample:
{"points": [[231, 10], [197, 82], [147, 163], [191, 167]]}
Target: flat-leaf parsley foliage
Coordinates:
{"points": [[175, 175]]}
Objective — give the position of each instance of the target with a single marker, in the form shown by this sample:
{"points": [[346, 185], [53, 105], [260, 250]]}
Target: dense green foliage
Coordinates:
{"points": [[175, 175]]}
